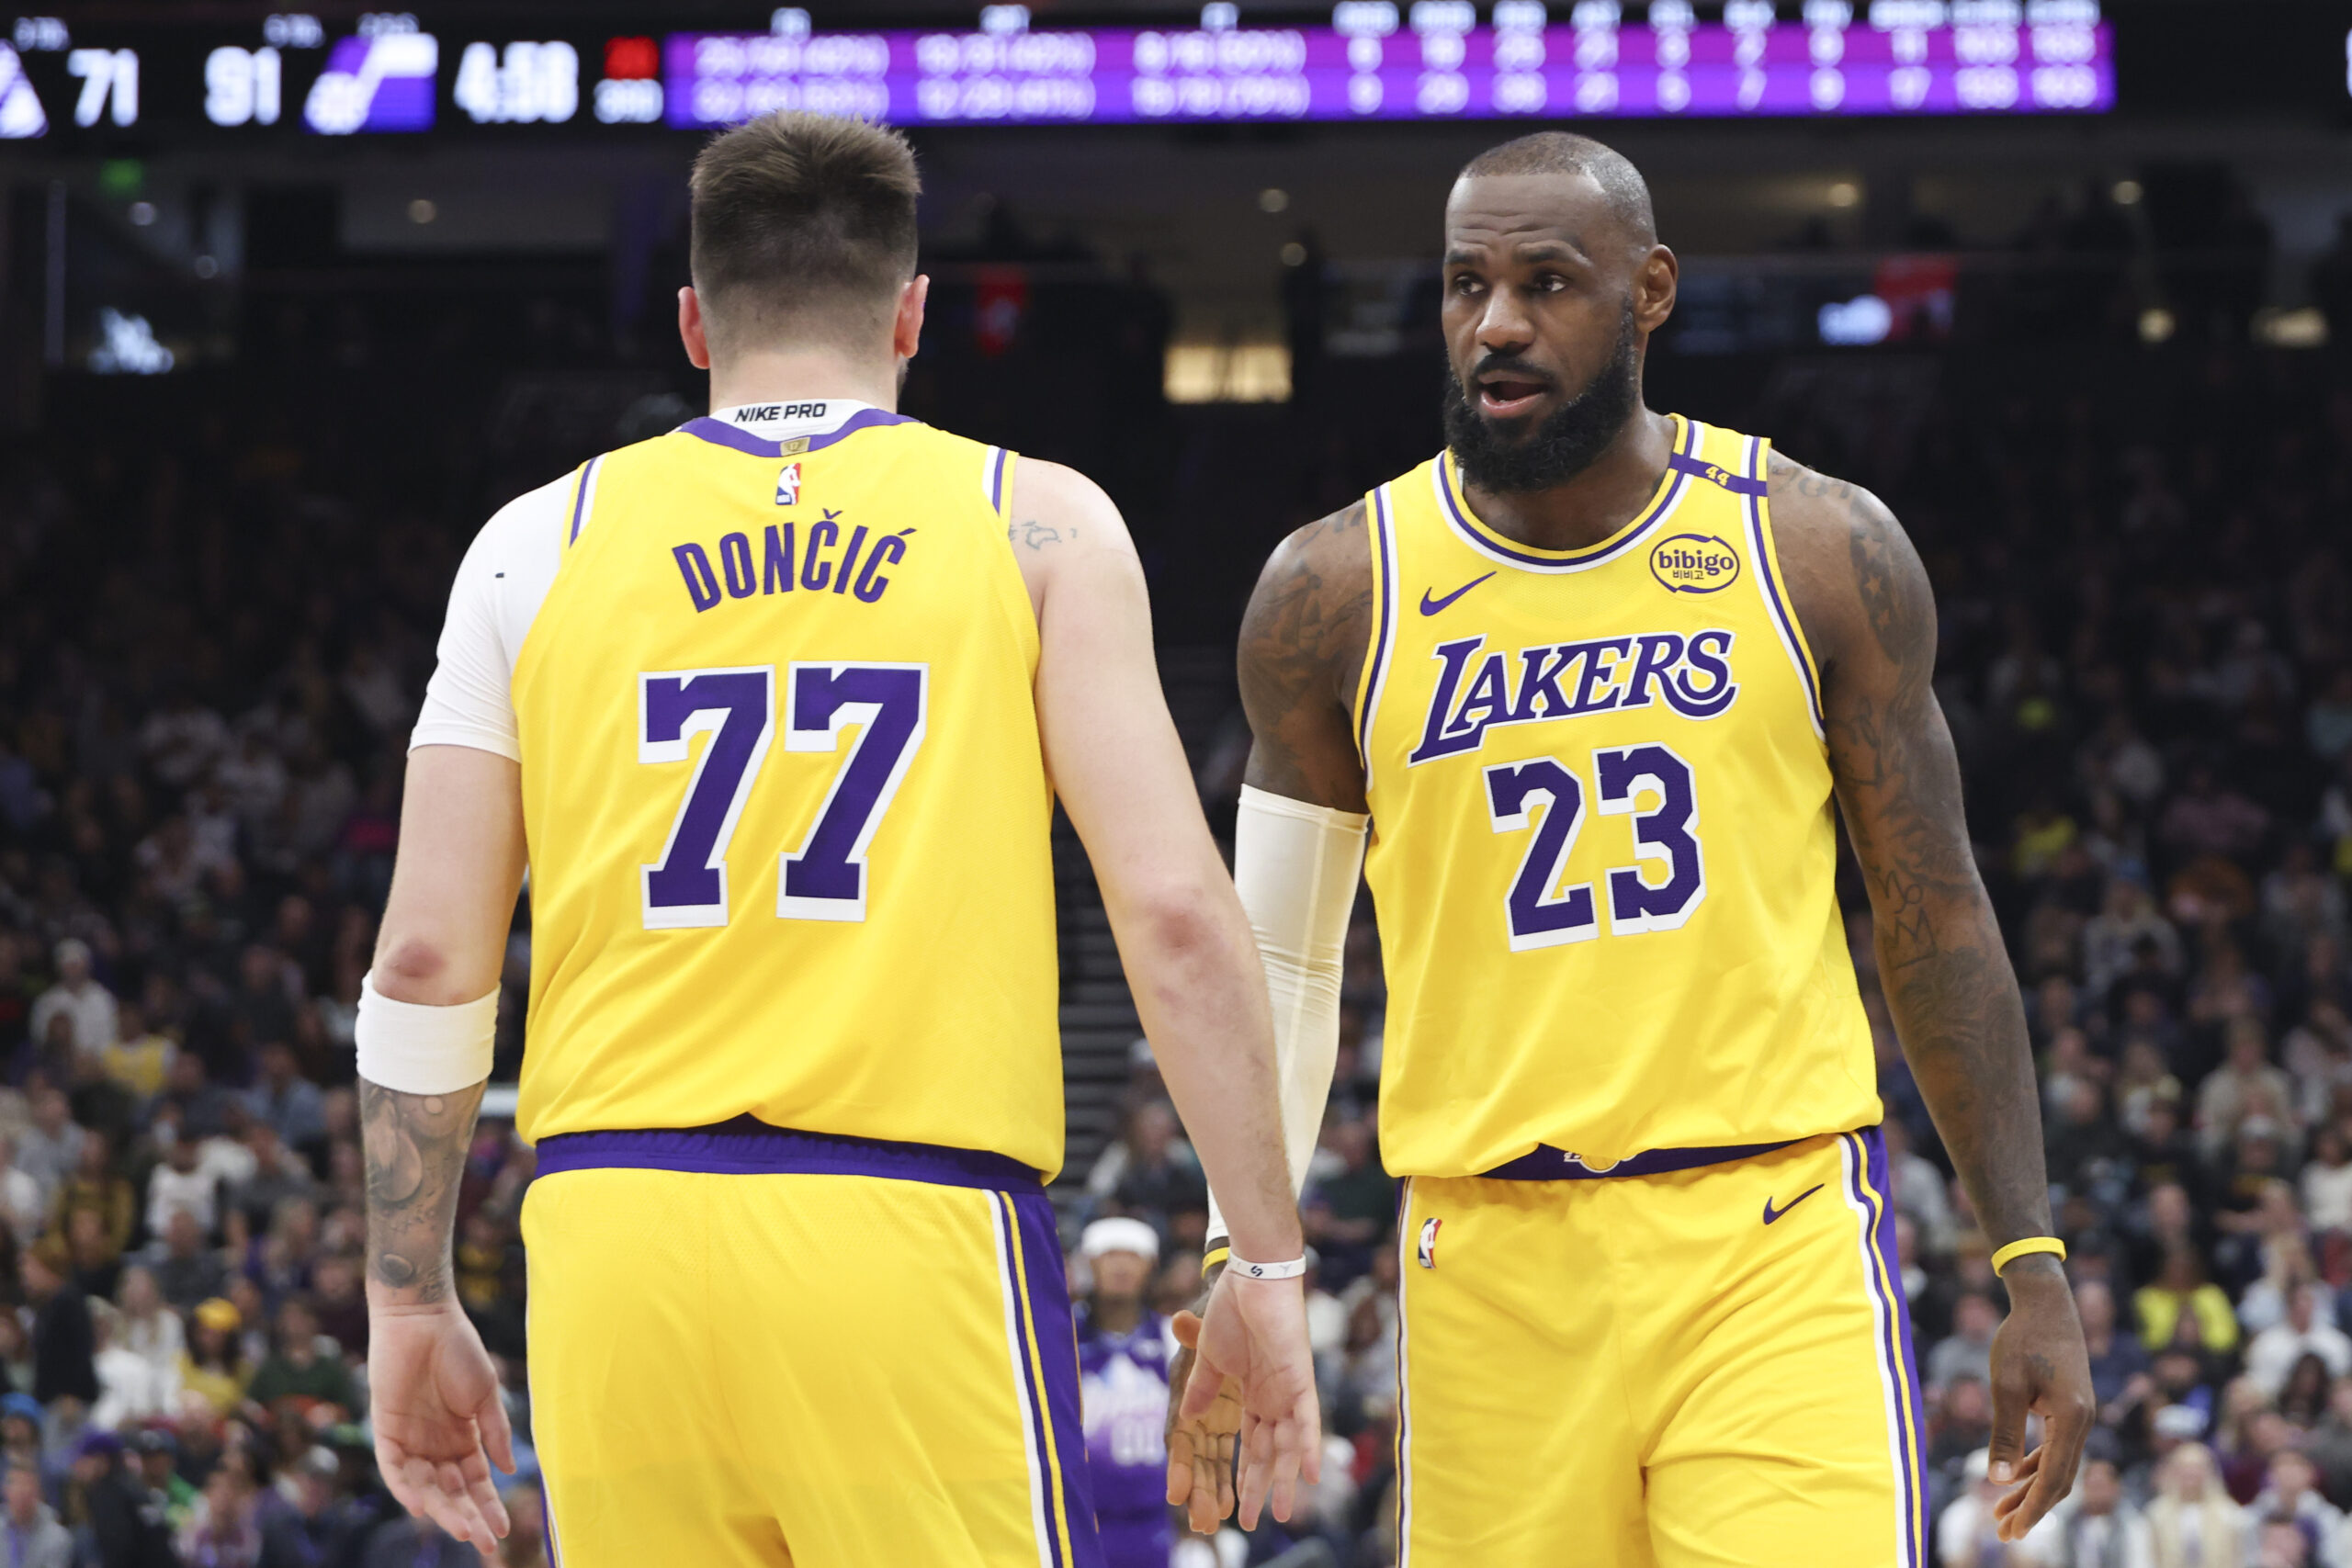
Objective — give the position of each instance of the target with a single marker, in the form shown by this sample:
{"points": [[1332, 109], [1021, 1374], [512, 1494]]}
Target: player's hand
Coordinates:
{"points": [[1200, 1447], [2041, 1365], [438, 1420], [1254, 1333]]}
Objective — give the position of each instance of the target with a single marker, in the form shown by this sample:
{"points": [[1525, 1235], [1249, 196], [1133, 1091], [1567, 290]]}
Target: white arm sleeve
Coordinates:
{"points": [[505, 579], [1296, 866]]}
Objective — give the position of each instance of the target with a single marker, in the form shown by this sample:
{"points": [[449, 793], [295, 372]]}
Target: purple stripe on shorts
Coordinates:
{"points": [[747, 1146], [1046, 1307], [1885, 1285], [721, 434]]}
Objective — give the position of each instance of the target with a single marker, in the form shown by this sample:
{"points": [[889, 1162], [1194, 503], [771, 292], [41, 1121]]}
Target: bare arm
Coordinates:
{"points": [[1117, 763], [1868, 612], [439, 1420], [1121, 772]]}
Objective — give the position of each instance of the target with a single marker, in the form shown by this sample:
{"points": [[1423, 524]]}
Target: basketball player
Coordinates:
{"points": [[1596, 675], [776, 707]]}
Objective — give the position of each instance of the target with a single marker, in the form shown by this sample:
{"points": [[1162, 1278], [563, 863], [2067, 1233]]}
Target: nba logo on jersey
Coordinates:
{"points": [[788, 486], [1426, 1250]]}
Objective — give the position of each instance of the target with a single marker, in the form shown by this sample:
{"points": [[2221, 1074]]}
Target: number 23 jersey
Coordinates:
{"points": [[1603, 851], [785, 804]]}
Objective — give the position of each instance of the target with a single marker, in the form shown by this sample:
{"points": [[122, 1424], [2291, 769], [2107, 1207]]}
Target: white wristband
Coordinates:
{"points": [[413, 1049], [1236, 1264]]}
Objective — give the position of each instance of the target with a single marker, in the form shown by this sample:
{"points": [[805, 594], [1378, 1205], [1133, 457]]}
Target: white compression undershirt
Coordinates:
{"points": [[1296, 866]]}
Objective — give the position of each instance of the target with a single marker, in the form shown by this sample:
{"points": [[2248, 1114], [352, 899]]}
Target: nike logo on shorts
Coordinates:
{"points": [[1430, 607], [1771, 1214]]}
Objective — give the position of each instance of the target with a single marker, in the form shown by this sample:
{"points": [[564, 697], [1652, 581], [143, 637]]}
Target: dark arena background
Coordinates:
{"points": [[291, 301]]}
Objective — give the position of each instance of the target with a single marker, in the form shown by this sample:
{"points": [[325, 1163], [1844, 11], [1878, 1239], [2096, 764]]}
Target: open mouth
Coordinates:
{"points": [[1506, 396]]}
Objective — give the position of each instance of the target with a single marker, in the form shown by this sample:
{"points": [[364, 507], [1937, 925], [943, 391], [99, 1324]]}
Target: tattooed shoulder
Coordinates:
{"points": [[1835, 533], [1035, 536]]}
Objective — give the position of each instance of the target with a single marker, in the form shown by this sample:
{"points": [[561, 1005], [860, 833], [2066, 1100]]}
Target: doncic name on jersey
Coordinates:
{"points": [[1690, 674], [788, 561]]}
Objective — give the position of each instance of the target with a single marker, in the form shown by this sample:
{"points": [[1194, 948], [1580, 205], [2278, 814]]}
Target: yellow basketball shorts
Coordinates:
{"points": [[1700, 1367], [752, 1346]]}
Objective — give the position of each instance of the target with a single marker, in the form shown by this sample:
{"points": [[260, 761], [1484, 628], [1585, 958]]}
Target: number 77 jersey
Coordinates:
{"points": [[787, 813], [1602, 853]]}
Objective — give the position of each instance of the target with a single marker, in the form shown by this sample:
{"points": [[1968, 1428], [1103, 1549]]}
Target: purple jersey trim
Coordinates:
{"points": [[747, 1146], [581, 497], [1549, 1164], [718, 432], [1738, 484]]}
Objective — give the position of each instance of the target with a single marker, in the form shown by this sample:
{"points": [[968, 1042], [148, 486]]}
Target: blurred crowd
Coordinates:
{"points": [[210, 650]]}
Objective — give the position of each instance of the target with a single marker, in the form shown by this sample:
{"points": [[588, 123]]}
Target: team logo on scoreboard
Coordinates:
{"points": [[1427, 1249], [1694, 563], [788, 486]]}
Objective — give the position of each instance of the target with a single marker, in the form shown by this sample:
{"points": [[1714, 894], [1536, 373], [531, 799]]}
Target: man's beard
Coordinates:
{"points": [[1564, 445]]}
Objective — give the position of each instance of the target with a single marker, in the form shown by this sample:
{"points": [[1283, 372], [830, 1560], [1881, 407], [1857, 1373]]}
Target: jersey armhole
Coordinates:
{"points": [[1380, 540], [583, 500], [996, 481], [1771, 580]]}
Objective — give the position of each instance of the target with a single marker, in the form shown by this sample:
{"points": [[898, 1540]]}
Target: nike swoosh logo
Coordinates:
{"points": [[1771, 1214], [1430, 607]]}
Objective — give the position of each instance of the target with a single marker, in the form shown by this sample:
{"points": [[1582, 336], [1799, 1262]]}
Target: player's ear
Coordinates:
{"points": [[1656, 283], [906, 330], [692, 331]]}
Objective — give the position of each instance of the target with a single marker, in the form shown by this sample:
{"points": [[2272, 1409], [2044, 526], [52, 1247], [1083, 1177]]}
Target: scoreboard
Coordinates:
{"points": [[406, 73]]}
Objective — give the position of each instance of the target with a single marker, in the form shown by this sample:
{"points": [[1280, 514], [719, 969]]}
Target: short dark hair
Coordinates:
{"points": [[1564, 153], [804, 226]]}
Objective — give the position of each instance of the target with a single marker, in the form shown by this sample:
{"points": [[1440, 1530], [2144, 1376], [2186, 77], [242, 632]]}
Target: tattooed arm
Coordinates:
{"points": [[1863, 600], [434, 1392], [1303, 645]]}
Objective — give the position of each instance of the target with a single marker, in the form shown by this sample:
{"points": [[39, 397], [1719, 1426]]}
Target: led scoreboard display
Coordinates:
{"points": [[1433, 60], [417, 72]]}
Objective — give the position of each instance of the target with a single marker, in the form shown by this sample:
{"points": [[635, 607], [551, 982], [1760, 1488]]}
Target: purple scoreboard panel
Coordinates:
{"points": [[1429, 62]]}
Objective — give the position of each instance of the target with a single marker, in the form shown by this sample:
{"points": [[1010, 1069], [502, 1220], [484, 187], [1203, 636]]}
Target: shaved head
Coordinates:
{"points": [[1561, 153]]}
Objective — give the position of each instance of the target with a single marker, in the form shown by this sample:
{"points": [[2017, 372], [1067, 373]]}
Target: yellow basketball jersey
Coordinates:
{"points": [[786, 808], [1602, 852]]}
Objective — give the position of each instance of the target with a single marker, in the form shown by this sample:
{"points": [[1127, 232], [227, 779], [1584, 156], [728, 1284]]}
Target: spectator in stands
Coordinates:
{"points": [[2245, 1085], [50, 1149], [2275, 1349], [1124, 1349], [186, 1271], [303, 1363], [33, 1537], [1350, 1209], [2193, 1523], [1967, 1351], [86, 1006], [284, 1101], [2183, 1293], [62, 1344], [213, 1367], [2098, 1526]]}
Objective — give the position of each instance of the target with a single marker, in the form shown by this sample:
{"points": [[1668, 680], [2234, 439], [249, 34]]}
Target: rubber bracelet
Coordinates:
{"points": [[1213, 1257], [1236, 1264], [2026, 1246]]}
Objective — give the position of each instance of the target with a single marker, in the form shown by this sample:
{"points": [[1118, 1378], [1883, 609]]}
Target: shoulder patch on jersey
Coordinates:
{"points": [[1694, 563]]}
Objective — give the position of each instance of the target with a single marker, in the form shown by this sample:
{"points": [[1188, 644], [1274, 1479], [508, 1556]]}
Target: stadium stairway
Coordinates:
{"points": [[1098, 1013]]}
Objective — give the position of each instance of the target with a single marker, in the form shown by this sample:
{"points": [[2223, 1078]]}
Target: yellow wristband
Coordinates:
{"points": [[1213, 1257], [2026, 1246]]}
